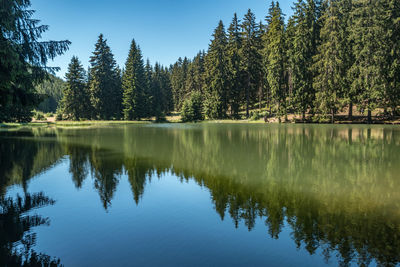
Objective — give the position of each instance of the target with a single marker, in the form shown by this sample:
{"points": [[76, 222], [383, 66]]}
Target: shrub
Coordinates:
{"points": [[38, 115], [255, 116], [192, 108]]}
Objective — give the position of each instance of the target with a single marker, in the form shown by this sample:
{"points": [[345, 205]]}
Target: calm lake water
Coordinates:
{"points": [[201, 195]]}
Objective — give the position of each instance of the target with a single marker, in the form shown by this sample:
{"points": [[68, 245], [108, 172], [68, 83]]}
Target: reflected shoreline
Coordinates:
{"points": [[336, 187]]}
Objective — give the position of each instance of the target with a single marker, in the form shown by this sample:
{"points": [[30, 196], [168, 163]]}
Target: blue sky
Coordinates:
{"points": [[164, 29]]}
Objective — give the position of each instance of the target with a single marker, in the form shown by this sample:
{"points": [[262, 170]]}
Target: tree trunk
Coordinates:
{"points": [[303, 116], [332, 116], [260, 94], [369, 116], [351, 111], [248, 97]]}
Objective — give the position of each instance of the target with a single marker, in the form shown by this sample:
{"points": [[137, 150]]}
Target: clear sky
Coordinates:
{"points": [[164, 29]]}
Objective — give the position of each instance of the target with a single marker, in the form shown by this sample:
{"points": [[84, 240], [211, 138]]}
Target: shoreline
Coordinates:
{"points": [[357, 121]]}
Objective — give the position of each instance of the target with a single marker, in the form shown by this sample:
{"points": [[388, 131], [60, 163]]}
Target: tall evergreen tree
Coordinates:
{"points": [[289, 50], [104, 84], [23, 59], [305, 41], [157, 92], [134, 85], [251, 58], [148, 93], [216, 77], [75, 103], [178, 81], [275, 57], [234, 69], [392, 92], [330, 62], [369, 35]]}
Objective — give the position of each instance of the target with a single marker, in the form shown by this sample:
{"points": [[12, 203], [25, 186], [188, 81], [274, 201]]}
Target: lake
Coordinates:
{"points": [[200, 195]]}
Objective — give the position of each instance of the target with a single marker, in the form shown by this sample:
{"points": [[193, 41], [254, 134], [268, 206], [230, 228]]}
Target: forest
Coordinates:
{"points": [[329, 57]]}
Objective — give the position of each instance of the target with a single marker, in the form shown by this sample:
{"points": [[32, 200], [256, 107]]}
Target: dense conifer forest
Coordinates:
{"points": [[327, 58]]}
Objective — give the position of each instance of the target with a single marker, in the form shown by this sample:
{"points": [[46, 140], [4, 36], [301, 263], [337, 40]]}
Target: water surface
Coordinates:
{"points": [[201, 195]]}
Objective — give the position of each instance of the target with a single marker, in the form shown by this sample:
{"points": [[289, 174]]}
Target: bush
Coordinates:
{"points": [[192, 108], [38, 115], [59, 115], [255, 116]]}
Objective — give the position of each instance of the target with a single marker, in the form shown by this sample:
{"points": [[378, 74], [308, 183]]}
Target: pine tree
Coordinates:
{"points": [[134, 85], [305, 41], [157, 92], [23, 59], [104, 82], [289, 50], [75, 103], [330, 62], [275, 57], [234, 70], [370, 53], [251, 58], [148, 93], [178, 81], [392, 93], [216, 100], [168, 101]]}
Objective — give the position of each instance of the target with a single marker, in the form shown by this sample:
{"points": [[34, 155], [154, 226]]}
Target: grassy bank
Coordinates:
{"points": [[176, 119]]}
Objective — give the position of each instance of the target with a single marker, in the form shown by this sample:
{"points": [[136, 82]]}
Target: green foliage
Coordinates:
{"points": [[251, 58], [104, 83], [233, 55], [305, 40], [330, 62], [192, 108], [274, 57], [134, 85], [256, 115], [369, 36], [23, 59], [38, 115], [76, 99], [216, 75], [51, 91]]}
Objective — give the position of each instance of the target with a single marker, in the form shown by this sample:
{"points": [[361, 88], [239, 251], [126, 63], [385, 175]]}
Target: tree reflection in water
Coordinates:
{"points": [[335, 187], [17, 238]]}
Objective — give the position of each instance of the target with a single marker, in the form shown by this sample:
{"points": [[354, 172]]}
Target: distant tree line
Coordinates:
{"points": [[106, 92], [329, 55]]}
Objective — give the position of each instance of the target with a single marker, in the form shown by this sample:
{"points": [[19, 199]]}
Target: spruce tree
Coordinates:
{"points": [[289, 50], [148, 93], [23, 59], [392, 94], [251, 58], [157, 92], [370, 46], [134, 85], [305, 41], [234, 70], [75, 103], [330, 62], [274, 54], [104, 84], [216, 95], [178, 81], [168, 101]]}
